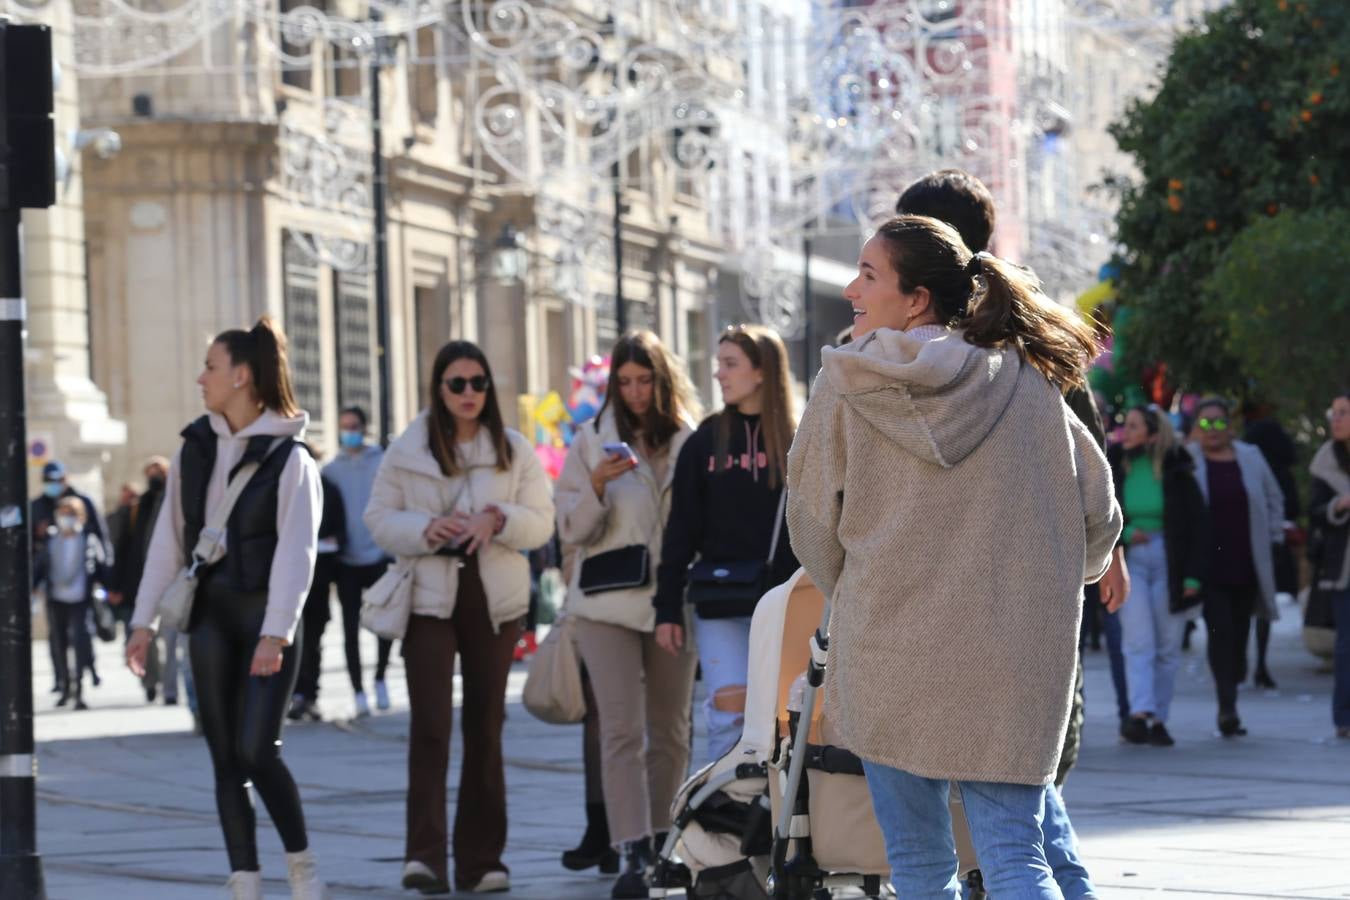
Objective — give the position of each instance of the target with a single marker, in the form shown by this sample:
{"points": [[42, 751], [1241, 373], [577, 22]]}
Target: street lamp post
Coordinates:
{"points": [[379, 183]]}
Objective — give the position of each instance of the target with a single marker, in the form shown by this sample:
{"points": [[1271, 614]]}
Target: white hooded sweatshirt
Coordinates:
{"points": [[299, 508]]}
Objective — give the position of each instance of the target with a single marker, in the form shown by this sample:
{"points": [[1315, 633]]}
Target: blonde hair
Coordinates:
{"points": [[1164, 436], [766, 352]]}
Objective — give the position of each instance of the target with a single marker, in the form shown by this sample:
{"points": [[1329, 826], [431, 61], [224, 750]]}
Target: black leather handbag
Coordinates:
{"points": [[716, 585], [624, 568]]}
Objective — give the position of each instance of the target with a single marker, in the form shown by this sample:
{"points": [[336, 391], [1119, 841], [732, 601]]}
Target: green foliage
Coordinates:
{"points": [[1279, 295], [1252, 119]]}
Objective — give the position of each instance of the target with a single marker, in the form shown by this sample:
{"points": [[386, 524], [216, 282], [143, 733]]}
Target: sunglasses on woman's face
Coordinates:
{"points": [[479, 383], [1213, 424]]}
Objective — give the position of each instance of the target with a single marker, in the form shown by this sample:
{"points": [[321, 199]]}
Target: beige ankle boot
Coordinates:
{"points": [[245, 886], [302, 870]]}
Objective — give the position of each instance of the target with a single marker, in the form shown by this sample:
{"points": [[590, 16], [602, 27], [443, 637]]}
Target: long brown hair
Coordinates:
{"points": [[673, 397], [1008, 311], [1160, 429], [778, 422], [441, 422], [263, 349]]}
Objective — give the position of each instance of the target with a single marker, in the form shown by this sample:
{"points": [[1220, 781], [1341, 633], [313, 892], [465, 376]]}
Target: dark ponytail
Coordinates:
{"points": [[1009, 310], [263, 349], [1012, 310]]}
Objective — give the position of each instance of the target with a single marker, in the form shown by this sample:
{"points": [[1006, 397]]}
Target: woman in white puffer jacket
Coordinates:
{"points": [[460, 496]]}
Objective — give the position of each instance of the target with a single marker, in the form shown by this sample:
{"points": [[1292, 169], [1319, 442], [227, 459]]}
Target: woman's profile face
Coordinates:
{"points": [[736, 375], [467, 403], [1135, 433], [1340, 418], [637, 386], [875, 293], [219, 377]]}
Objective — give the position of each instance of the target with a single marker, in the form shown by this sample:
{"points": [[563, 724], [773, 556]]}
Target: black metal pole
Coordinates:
{"points": [[620, 308], [20, 865], [809, 336], [379, 183]]}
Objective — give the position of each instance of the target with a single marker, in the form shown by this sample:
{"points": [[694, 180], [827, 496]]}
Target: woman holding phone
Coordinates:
{"points": [[460, 496], [613, 498]]}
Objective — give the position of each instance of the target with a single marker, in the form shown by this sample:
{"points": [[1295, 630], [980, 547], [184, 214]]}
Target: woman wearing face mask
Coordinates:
{"points": [[1246, 512], [613, 499], [458, 497], [727, 512], [1329, 514], [69, 565], [944, 496], [244, 631], [1167, 539]]}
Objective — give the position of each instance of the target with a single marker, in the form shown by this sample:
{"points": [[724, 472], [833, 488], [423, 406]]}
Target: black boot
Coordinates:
{"points": [[632, 884], [594, 849]]}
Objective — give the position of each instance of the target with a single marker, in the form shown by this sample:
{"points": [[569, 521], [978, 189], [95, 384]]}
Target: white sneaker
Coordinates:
{"points": [[362, 705], [245, 886], [418, 876], [492, 883], [381, 695], [302, 871]]}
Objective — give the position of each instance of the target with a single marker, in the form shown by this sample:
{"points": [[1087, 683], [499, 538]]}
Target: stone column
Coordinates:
{"points": [[66, 410]]}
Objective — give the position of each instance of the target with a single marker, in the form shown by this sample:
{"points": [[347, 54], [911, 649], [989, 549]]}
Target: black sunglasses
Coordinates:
{"points": [[479, 383]]}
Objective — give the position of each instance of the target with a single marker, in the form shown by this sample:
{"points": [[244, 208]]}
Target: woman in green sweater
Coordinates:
{"points": [[1166, 528]]}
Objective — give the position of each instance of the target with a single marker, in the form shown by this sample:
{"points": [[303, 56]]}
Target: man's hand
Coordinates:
{"points": [[1115, 584]]}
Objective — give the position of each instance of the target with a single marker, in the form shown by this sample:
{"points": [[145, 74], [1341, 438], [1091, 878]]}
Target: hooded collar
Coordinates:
{"points": [[1325, 467], [270, 424], [937, 399], [412, 450]]}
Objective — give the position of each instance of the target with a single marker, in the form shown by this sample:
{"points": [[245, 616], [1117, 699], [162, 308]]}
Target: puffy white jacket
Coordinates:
{"points": [[634, 511], [410, 490]]}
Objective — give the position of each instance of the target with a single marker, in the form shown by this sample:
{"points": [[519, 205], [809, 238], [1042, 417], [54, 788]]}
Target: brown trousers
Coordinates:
{"points": [[643, 695], [429, 649]]}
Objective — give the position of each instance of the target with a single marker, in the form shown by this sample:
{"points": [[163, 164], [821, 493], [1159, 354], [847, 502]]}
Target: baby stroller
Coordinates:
{"points": [[734, 836]]}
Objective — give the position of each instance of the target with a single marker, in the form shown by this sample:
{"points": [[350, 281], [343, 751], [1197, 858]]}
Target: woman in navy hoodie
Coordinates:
{"points": [[726, 541]]}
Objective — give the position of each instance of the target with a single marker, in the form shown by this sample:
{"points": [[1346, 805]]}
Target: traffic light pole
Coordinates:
{"points": [[20, 865]]}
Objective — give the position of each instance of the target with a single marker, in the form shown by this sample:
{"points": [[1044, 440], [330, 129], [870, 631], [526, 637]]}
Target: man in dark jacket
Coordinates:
{"points": [[130, 562], [42, 515]]}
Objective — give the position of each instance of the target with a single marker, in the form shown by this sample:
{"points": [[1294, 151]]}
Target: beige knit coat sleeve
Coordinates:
{"points": [[1102, 517], [816, 465]]}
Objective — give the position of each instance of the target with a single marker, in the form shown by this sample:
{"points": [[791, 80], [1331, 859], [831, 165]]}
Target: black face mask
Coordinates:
{"points": [[155, 484]]}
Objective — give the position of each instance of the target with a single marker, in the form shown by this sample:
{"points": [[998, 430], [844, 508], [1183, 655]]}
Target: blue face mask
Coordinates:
{"points": [[351, 439], [53, 489]]}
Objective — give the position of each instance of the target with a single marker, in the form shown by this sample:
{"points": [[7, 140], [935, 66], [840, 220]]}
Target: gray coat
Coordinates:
{"points": [[1265, 514]]}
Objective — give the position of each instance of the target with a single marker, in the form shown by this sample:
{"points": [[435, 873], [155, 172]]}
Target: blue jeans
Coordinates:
{"points": [[724, 655], [1061, 849], [1005, 826], [1340, 697], [1151, 633], [1111, 628]]}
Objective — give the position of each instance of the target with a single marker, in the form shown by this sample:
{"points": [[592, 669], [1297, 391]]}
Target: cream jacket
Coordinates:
{"points": [[952, 507], [634, 511], [410, 491]]}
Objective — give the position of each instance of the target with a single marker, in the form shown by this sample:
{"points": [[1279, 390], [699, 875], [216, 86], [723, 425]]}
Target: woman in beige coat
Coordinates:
{"points": [[612, 506], [460, 496], [945, 498]]}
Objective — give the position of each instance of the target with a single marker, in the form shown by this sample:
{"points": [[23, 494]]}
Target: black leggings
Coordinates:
{"points": [[1228, 615], [241, 719], [352, 581]]}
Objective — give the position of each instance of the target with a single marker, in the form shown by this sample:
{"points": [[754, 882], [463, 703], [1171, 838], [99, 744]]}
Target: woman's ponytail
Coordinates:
{"points": [[263, 349], [1011, 309]]}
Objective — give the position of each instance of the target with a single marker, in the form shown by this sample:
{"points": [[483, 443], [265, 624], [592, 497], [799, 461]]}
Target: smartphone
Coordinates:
{"points": [[620, 448]]}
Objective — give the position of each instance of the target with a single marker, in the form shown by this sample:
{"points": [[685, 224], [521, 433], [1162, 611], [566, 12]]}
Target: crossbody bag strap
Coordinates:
{"points": [[209, 538], [778, 524]]}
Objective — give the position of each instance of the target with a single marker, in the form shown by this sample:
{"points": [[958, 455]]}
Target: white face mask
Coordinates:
{"points": [[68, 523]]}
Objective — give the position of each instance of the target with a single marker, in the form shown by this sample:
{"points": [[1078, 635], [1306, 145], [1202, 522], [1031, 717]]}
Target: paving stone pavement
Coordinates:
{"points": [[126, 804]]}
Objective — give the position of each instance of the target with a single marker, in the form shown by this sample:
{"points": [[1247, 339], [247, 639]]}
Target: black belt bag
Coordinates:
{"points": [[625, 568], [716, 586]]}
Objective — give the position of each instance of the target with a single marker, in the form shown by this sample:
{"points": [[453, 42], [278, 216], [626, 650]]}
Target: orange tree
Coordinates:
{"points": [[1251, 120]]}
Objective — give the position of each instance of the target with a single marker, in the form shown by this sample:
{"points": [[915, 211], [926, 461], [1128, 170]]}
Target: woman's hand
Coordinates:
{"points": [[1342, 503], [267, 658], [1140, 537], [610, 469], [1190, 593], [670, 638], [439, 530], [473, 531], [137, 648]]}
